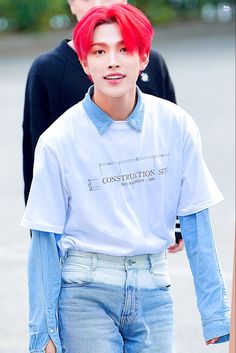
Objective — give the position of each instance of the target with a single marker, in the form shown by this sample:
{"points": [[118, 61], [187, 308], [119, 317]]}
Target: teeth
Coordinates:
{"points": [[114, 77]]}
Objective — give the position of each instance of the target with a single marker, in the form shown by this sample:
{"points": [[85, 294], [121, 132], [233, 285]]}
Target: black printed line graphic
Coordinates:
{"points": [[153, 158], [94, 184]]}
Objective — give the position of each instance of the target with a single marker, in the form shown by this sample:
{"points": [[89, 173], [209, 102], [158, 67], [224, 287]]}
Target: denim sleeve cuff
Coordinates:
{"points": [[218, 326], [224, 338], [38, 342]]}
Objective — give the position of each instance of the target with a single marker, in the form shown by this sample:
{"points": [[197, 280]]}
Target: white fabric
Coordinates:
{"points": [[119, 193]]}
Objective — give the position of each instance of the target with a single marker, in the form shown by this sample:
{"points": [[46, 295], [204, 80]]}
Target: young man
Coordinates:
{"points": [[110, 176], [56, 82]]}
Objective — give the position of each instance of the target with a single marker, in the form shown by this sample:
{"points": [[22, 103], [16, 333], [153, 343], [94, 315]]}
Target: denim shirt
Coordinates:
{"points": [[44, 278]]}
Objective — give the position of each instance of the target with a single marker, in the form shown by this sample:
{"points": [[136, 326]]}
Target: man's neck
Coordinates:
{"points": [[118, 108]]}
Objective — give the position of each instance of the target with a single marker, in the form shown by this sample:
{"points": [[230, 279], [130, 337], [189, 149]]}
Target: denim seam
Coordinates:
{"points": [[84, 284], [48, 307], [134, 297], [212, 319], [163, 288]]}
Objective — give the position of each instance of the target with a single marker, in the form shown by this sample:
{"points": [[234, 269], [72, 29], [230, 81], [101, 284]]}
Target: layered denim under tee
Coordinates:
{"points": [[45, 281], [131, 178], [116, 188]]}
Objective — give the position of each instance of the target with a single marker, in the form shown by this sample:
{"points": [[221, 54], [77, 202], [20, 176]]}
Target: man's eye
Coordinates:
{"points": [[99, 52], [123, 50]]}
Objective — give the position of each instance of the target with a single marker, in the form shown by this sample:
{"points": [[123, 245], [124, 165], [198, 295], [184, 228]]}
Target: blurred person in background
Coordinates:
{"points": [[112, 214], [56, 82]]}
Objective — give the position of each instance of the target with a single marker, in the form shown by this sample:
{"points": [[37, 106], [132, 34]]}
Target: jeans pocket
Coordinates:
{"points": [[161, 279], [76, 274]]}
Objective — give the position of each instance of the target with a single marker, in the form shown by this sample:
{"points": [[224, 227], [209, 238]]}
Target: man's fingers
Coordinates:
{"points": [[50, 348], [213, 341], [177, 247]]}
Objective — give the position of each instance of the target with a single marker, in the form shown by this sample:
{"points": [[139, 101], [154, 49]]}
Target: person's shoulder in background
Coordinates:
{"points": [[156, 80], [56, 81], [48, 63]]}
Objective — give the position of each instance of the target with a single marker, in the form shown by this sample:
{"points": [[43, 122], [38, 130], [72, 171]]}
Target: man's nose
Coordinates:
{"points": [[113, 60]]}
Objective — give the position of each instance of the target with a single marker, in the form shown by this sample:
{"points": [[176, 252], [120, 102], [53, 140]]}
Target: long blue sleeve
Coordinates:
{"points": [[44, 283], [208, 280]]}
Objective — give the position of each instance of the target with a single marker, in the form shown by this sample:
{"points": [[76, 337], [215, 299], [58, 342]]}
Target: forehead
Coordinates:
{"points": [[107, 33]]}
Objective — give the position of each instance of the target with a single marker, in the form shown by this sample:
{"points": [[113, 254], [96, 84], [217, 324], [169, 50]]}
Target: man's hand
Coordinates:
{"points": [[176, 247], [50, 347], [212, 341]]}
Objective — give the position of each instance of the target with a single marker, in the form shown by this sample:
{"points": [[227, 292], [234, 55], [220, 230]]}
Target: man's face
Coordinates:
{"points": [[80, 7], [114, 70]]}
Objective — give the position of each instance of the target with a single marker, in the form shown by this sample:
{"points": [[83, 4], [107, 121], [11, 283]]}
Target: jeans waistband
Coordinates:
{"points": [[147, 261]]}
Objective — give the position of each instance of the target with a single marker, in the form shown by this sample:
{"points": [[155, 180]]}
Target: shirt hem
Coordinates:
{"points": [[41, 227], [200, 207]]}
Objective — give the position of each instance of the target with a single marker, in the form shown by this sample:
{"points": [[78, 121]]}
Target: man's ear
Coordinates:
{"points": [[144, 60], [84, 65]]}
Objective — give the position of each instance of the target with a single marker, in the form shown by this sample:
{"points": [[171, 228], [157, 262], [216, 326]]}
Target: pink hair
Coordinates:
{"points": [[136, 29]]}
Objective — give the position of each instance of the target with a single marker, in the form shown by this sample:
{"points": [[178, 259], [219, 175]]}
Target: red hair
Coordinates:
{"points": [[136, 29]]}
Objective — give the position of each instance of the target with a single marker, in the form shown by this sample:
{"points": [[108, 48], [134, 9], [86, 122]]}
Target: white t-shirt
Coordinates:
{"points": [[119, 192]]}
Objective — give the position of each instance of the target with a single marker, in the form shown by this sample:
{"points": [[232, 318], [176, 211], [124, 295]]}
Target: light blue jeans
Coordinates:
{"points": [[112, 304]]}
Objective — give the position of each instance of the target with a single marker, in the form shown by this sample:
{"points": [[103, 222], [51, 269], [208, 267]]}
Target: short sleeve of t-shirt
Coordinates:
{"points": [[198, 189], [47, 203]]}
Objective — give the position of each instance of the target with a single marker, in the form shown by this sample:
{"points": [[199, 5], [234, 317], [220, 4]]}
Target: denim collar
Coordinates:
{"points": [[102, 121]]}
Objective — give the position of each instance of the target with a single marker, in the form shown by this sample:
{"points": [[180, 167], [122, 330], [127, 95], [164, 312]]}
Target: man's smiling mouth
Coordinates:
{"points": [[114, 77]]}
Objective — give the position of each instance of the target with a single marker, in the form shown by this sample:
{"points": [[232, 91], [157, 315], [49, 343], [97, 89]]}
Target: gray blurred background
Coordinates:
{"points": [[201, 59]]}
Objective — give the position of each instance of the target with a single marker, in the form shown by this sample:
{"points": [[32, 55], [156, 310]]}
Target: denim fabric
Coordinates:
{"points": [[207, 275], [102, 121], [116, 304], [45, 283]]}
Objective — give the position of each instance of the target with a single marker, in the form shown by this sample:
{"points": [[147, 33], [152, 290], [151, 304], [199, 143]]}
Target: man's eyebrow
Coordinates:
{"points": [[105, 44]]}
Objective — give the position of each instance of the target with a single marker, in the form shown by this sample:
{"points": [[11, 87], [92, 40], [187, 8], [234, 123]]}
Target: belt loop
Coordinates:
{"points": [[94, 261], [151, 263]]}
